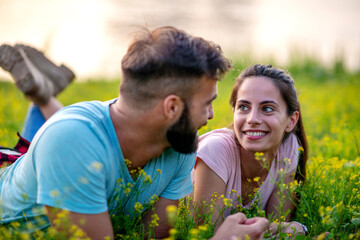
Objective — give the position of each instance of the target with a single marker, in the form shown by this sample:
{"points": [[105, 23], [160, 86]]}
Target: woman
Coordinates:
{"points": [[267, 120]]}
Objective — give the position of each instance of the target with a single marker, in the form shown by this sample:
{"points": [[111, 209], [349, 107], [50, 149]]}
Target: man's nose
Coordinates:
{"points": [[211, 113]]}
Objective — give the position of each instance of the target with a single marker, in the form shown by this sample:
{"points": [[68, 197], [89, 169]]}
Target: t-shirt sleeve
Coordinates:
{"points": [[69, 160], [215, 151], [180, 184]]}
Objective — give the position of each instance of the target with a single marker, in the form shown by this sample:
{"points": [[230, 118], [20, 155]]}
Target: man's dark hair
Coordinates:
{"points": [[168, 61]]}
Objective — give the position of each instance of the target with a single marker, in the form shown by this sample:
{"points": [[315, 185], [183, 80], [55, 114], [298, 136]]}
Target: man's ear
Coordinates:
{"points": [[173, 106], [293, 119]]}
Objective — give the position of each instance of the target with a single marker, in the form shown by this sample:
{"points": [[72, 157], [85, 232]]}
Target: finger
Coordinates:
{"points": [[263, 223], [288, 224], [258, 222], [250, 221], [273, 228], [253, 220], [257, 227], [321, 236], [293, 228], [239, 218]]}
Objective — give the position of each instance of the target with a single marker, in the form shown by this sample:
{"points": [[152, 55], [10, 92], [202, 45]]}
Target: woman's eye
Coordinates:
{"points": [[243, 108], [268, 109]]}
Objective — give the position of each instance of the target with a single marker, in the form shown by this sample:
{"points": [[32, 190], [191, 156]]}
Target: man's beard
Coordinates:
{"points": [[181, 135]]}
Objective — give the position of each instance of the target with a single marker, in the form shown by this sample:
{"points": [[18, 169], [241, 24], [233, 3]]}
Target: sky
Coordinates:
{"points": [[91, 36]]}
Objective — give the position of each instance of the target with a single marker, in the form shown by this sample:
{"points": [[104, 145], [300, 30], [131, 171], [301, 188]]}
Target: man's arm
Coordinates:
{"points": [[95, 226], [162, 230]]}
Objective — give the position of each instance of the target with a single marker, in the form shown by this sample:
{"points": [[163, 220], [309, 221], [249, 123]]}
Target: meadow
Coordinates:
{"points": [[330, 197]]}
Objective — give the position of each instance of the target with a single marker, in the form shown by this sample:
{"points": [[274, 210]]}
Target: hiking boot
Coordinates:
{"points": [[28, 79], [61, 76]]}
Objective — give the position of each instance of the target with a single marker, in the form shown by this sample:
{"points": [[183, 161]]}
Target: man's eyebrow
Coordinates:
{"points": [[213, 98]]}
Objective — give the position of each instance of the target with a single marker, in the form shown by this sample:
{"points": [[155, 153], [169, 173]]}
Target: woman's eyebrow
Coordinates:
{"points": [[269, 101], [263, 102], [243, 101]]}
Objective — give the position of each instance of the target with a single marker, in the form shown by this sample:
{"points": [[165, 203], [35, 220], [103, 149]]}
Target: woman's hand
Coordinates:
{"points": [[293, 228], [238, 226]]}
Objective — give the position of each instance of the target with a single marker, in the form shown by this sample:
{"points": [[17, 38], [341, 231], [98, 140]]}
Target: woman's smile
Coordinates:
{"points": [[255, 134]]}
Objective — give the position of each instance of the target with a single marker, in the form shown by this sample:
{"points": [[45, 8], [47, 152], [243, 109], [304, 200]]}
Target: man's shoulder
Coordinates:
{"points": [[173, 159], [90, 111], [80, 121], [97, 107]]}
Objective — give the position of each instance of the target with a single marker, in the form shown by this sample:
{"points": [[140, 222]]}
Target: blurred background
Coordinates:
{"points": [[318, 41], [91, 36]]}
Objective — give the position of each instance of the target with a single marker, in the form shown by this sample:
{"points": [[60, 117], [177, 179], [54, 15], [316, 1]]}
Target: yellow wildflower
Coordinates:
{"points": [[321, 236], [97, 166], [227, 202], [154, 220], [139, 207], [54, 193], [24, 236], [84, 180], [203, 228], [194, 232], [171, 209], [172, 232]]}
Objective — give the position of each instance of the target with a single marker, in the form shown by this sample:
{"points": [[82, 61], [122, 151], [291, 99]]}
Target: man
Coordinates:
{"points": [[74, 161]]}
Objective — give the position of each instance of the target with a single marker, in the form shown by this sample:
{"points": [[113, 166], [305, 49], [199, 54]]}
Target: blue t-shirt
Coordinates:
{"points": [[75, 163]]}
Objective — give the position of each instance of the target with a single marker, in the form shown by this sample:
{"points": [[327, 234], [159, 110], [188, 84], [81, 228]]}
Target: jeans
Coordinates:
{"points": [[33, 121]]}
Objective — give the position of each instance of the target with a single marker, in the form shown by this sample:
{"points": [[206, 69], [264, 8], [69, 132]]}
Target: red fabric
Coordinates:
{"points": [[21, 147]]}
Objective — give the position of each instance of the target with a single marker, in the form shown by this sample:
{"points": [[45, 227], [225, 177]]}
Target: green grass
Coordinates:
{"points": [[329, 97]]}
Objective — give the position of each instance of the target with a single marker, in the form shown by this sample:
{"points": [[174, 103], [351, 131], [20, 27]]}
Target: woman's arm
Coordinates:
{"points": [[288, 155], [207, 182], [273, 205]]}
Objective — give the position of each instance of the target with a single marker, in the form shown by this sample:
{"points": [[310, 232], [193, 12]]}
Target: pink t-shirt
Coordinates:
{"points": [[220, 152]]}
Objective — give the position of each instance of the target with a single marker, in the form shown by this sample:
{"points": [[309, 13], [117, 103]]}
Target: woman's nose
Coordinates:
{"points": [[254, 117]]}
